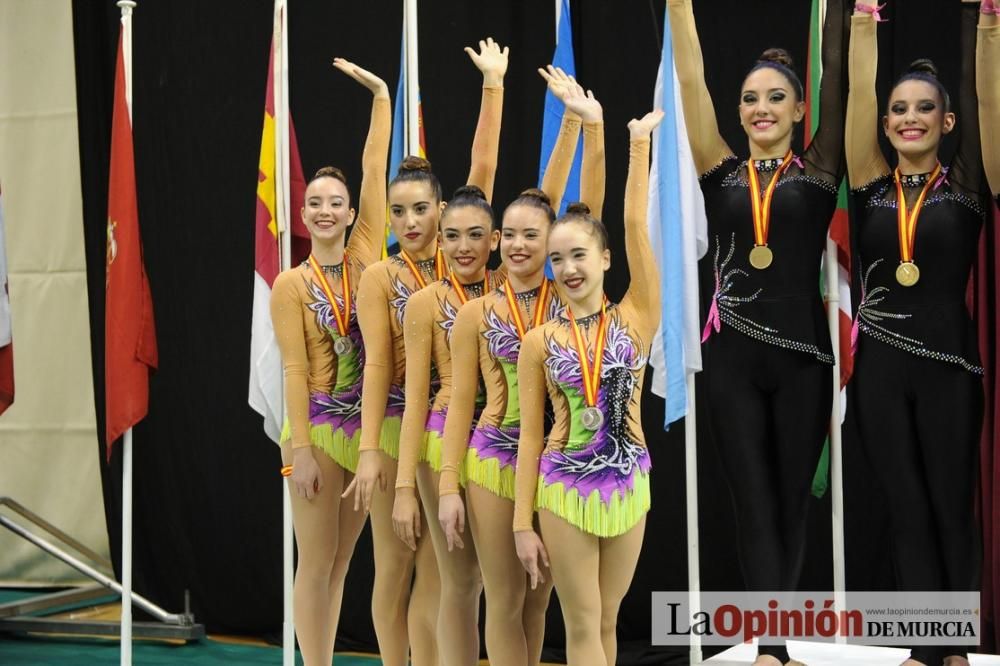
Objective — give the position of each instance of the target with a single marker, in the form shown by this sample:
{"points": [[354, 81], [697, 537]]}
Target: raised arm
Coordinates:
{"points": [[966, 173], [561, 159], [592, 174], [865, 161], [988, 86], [707, 145], [465, 382], [492, 62], [826, 152], [531, 389], [365, 242], [418, 334], [644, 284]]}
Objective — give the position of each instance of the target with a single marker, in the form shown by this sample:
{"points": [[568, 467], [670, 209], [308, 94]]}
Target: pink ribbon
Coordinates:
{"points": [[943, 178], [854, 336], [798, 161], [713, 322], [873, 10]]}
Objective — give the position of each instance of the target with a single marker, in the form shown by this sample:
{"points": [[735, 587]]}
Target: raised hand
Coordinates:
{"points": [[491, 61], [639, 129], [565, 87], [376, 85]]}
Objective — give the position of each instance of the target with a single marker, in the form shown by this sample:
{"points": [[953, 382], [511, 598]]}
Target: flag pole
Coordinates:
{"points": [[691, 485], [282, 213], [126, 7], [412, 72]]}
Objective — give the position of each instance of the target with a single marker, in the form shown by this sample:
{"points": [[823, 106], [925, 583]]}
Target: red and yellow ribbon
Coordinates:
{"points": [[342, 318], [906, 220], [515, 311], [762, 209], [591, 375], [439, 266], [460, 290]]}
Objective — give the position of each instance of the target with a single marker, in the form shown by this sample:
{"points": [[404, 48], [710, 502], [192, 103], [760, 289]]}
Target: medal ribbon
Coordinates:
{"points": [[762, 209], [591, 377], [906, 220], [515, 311], [342, 318], [438, 267], [460, 290]]}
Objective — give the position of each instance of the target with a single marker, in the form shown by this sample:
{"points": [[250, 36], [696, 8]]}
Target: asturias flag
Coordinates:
{"points": [[130, 353]]}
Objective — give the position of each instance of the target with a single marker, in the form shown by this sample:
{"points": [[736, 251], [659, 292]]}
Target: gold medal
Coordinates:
{"points": [[592, 418], [907, 273], [761, 257]]}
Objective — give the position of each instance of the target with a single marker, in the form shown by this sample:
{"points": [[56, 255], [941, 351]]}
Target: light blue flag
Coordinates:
{"points": [[678, 233], [398, 132], [552, 118]]}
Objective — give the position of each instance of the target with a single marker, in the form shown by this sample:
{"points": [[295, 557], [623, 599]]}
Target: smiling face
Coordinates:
{"points": [[467, 240], [414, 212], [769, 110], [327, 212], [522, 240], [916, 119], [578, 261]]}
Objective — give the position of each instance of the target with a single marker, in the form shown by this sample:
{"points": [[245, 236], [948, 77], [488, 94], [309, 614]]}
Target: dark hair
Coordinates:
{"points": [[469, 196], [329, 172], [925, 70], [780, 61], [417, 169], [580, 212], [534, 198]]}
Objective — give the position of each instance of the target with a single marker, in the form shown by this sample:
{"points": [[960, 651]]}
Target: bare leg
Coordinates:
{"points": [[394, 564], [318, 531], [425, 599], [350, 523], [619, 556], [461, 582]]}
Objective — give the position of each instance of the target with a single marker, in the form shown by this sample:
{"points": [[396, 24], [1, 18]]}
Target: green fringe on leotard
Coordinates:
{"points": [[334, 443], [431, 451], [592, 515], [389, 438], [489, 474]]}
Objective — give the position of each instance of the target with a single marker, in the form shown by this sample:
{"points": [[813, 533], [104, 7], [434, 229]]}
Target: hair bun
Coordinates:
{"points": [[414, 163], [578, 208], [469, 191], [536, 193], [331, 171], [779, 56], [923, 66]]}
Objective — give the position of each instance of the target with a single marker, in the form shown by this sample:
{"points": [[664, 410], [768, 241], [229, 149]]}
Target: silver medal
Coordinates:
{"points": [[342, 345], [592, 418]]}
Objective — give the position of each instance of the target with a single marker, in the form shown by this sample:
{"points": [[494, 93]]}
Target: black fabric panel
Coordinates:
{"points": [[207, 490]]}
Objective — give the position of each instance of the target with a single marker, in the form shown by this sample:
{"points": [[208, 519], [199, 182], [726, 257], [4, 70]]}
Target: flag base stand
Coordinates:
{"points": [[28, 615]]}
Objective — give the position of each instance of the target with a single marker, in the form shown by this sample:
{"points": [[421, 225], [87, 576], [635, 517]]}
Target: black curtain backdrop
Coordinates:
{"points": [[207, 489]]}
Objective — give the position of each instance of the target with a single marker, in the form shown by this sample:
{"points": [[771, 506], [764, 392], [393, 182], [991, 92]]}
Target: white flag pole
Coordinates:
{"points": [[836, 450], [412, 74], [282, 215], [691, 485], [126, 7]]}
